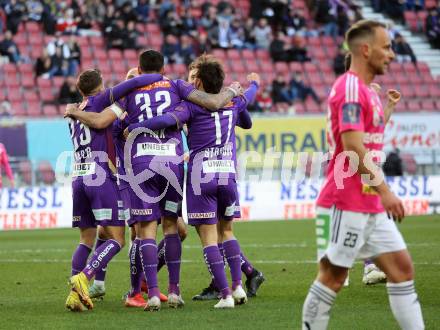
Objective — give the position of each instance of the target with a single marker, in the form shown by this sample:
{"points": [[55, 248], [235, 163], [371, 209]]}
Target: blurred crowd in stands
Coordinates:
{"points": [[272, 25]]}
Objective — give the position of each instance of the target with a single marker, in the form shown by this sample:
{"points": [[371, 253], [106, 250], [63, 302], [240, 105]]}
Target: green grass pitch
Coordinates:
{"points": [[35, 265]]}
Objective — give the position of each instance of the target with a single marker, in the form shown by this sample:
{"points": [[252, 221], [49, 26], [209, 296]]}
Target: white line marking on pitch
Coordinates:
{"points": [[189, 246], [188, 261]]}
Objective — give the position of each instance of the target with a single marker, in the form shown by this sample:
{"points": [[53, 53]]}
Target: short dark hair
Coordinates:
{"points": [[361, 29], [210, 72], [88, 81], [151, 61], [347, 61]]}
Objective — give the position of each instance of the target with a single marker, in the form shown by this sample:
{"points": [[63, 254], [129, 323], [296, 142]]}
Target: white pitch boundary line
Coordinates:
{"points": [[188, 246], [189, 261]]}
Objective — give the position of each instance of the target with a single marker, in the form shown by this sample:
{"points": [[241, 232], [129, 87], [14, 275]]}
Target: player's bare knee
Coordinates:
{"points": [[332, 276], [404, 272]]}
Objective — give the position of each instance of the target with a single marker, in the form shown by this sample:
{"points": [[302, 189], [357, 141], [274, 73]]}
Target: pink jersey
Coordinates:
{"points": [[353, 106]]}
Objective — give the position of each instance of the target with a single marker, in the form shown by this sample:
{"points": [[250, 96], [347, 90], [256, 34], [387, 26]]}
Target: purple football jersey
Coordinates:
{"points": [[118, 138], [151, 101], [211, 136], [93, 148]]}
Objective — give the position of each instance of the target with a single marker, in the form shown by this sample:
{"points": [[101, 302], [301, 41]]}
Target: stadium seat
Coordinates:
{"points": [[36, 39], [31, 26], [11, 80], [58, 82], [83, 42], [180, 69], [434, 91], [407, 91], [428, 105], [31, 96], [27, 80], [26, 68], [115, 54], [14, 94], [220, 54], [20, 39], [44, 83], [262, 54], [295, 67], [34, 108], [248, 54], [18, 108], [141, 28], [233, 54], [50, 110], [97, 42], [46, 94], [153, 29], [413, 106], [100, 54], [252, 66], [421, 91], [86, 53], [411, 19], [281, 67], [130, 54], [9, 68], [315, 79]]}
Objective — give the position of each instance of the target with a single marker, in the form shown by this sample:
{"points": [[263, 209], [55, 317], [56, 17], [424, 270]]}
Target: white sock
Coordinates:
{"points": [[99, 284], [405, 305], [316, 309]]}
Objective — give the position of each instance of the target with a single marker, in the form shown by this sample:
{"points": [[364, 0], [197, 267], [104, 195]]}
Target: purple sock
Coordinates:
{"points": [[214, 261], [246, 266], [136, 271], [101, 257], [160, 255], [100, 274], [222, 252], [232, 253], [79, 258], [173, 254], [148, 254]]}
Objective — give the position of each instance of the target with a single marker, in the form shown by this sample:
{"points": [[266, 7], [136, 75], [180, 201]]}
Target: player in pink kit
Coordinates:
{"points": [[324, 203], [360, 226]]}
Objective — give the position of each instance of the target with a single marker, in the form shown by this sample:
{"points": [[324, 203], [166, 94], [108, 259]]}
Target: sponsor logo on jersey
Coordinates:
{"points": [[376, 138], [230, 210], [102, 214], [156, 149], [158, 84], [171, 206], [218, 166], [351, 113], [201, 215], [81, 169], [141, 211]]}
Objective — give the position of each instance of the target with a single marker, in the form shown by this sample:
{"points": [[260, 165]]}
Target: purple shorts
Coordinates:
{"points": [[95, 205], [237, 213], [160, 195], [124, 203], [211, 201]]}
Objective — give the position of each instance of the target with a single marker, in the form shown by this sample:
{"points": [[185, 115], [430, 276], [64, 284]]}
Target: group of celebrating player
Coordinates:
{"points": [[134, 129], [137, 126]]}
